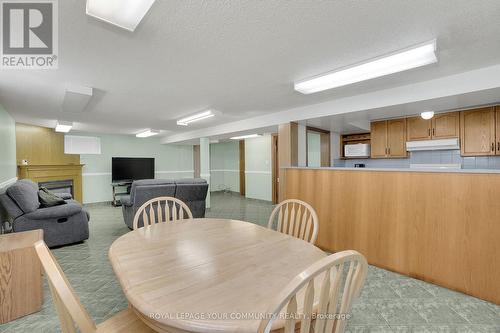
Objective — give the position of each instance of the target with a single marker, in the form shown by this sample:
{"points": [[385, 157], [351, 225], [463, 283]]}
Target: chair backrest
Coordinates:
{"points": [[161, 209], [68, 306], [329, 288], [295, 218]]}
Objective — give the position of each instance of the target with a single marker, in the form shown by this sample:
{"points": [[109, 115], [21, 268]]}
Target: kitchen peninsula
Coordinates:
{"points": [[441, 226]]}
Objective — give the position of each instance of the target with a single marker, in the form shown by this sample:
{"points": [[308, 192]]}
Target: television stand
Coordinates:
{"points": [[116, 195]]}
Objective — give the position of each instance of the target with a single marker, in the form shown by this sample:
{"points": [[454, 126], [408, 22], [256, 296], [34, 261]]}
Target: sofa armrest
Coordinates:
{"points": [[55, 212], [125, 200]]}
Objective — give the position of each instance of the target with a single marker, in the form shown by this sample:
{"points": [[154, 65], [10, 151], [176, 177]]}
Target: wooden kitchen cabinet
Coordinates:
{"points": [[497, 129], [378, 139], [441, 126], [418, 129], [388, 138], [396, 138], [446, 125], [477, 132]]}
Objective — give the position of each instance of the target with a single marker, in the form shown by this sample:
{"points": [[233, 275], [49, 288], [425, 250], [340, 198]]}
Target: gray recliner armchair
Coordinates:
{"points": [[61, 225], [192, 191]]}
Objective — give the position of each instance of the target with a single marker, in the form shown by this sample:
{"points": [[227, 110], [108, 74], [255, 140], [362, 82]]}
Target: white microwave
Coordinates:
{"points": [[357, 150]]}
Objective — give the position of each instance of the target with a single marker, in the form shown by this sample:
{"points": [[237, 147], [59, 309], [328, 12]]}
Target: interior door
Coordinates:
{"points": [[418, 129], [276, 167], [446, 125], [497, 130], [378, 139], [196, 161], [396, 138], [478, 132], [242, 168]]}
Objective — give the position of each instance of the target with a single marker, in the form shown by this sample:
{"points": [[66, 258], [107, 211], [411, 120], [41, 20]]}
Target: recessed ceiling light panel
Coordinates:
{"points": [[197, 117], [147, 133], [64, 126], [126, 14], [249, 136], [417, 56]]}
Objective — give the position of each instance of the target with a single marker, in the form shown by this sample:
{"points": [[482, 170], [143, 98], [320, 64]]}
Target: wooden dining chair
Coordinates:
{"points": [[329, 288], [161, 209], [295, 218], [70, 310]]}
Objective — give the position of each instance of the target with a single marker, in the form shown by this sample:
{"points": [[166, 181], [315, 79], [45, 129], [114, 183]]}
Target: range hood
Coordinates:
{"points": [[443, 144]]}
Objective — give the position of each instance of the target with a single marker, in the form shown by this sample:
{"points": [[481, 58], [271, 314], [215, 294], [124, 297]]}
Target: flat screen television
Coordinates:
{"points": [[132, 168]]}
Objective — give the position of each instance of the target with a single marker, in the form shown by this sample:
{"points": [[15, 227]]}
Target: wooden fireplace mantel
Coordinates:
{"points": [[44, 173]]}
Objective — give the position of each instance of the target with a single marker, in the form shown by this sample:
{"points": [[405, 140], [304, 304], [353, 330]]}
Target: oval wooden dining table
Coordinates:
{"points": [[206, 275]]}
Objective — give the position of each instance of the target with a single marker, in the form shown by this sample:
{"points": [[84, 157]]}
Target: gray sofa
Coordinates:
{"points": [[192, 191], [61, 225]]}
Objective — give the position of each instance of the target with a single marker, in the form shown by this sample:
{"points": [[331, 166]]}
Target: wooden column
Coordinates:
{"points": [[287, 152]]}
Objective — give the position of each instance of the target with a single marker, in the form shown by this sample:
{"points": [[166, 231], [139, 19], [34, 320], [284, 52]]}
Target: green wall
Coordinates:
{"points": [[171, 161], [225, 166], [258, 168], [8, 168], [313, 149]]}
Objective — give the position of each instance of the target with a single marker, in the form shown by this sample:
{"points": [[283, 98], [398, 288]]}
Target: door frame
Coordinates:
{"points": [[275, 167], [325, 145], [242, 168]]}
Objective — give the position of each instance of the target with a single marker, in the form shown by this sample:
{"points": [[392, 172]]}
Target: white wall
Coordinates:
{"points": [[313, 149], [171, 162], [258, 168], [8, 167], [334, 147], [225, 166]]}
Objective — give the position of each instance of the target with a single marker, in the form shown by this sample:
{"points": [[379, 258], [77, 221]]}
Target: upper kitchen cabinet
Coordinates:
{"points": [[441, 126], [378, 137], [396, 135], [477, 132], [497, 132], [446, 125], [419, 129], [388, 139]]}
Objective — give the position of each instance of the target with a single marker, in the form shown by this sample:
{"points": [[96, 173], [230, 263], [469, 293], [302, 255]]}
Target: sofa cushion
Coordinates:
{"points": [[49, 199], [191, 181], [25, 194], [70, 208], [8, 207], [144, 182], [157, 187]]}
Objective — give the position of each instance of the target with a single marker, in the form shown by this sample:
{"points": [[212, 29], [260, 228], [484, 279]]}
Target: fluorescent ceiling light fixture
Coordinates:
{"points": [[427, 115], [147, 133], [196, 117], [64, 126], [417, 56], [126, 14], [249, 136]]}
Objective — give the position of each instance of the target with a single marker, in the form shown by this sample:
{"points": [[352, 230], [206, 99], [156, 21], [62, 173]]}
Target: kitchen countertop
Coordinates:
{"points": [[492, 171]]}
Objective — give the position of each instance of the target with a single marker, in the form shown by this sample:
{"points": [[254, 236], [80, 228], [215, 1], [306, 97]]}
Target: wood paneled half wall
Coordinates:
{"points": [[43, 148], [443, 227]]}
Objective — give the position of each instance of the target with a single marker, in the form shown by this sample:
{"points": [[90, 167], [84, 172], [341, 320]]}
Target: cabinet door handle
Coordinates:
{"points": [[492, 146], [389, 151], [429, 131], [498, 145], [433, 131]]}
